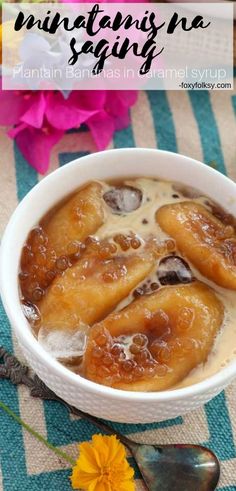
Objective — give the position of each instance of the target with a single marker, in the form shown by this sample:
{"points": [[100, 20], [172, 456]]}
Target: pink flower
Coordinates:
{"points": [[39, 119]]}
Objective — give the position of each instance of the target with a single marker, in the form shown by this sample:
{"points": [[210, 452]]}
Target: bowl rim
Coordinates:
{"points": [[26, 337]]}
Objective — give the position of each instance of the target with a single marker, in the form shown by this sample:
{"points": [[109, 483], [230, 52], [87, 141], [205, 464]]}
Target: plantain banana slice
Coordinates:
{"points": [[90, 289], [154, 342], [57, 241], [206, 241], [79, 217]]}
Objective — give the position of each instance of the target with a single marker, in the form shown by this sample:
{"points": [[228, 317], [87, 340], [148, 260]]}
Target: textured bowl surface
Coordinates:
{"points": [[96, 399]]}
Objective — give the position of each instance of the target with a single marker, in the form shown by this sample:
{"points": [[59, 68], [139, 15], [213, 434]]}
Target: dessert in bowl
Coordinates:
{"points": [[121, 283]]}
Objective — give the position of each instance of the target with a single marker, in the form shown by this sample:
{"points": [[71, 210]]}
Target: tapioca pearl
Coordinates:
{"points": [[104, 252], [73, 247], [138, 292], [41, 258], [33, 284], [38, 235], [62, 263], [140, 340], [107, 359], [161, 370], [138, 371], [150, 362], [116, 350], [154, 286], [142, 356], [189, 345], [135, 242], [127, 377], [225, 233], [150, 371], [161, 248], [228, 249], [176, 348], [160, 350], [115, 273], [135, 348], [90, 240], [127, 365], [114, 368], [123, 241], [185, 318], [118, 238], [113, 248], [160, 318], [101, 338], [23, 276], [50, 275], [37, 294], [103, 371], [97, 352], [42, 248], [170, 245]]}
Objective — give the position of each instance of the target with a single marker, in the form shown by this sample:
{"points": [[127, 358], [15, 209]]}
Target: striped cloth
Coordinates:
{"points": [[200, 125]]}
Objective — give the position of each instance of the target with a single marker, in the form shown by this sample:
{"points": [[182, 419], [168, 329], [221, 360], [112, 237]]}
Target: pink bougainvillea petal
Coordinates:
{"points": [[128, 97], [122, 121], [13, 132], [102, 127], [118, 101], [39, 119], [35, 114], [36, 144], [13, 104], [89, 99], [63, 113]]}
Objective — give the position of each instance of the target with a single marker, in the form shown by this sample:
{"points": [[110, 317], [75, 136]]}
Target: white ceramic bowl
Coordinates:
{"points": [[96, 399]]}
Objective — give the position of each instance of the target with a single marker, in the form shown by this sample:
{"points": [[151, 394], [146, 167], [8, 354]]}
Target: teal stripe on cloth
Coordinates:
{"points": [[23, 169], [163, 121], [124, 138], [207, 125], [66, 157], [221, 437]]}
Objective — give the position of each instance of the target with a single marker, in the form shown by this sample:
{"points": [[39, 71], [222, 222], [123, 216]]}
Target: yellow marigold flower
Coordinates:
{"points": [[102, 466]]}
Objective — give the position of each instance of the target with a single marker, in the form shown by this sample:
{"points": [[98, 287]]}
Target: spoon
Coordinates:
{"points": [[163, 467]]}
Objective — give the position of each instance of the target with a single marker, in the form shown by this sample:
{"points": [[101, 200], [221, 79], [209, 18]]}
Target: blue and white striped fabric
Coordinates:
{"points": [[201, 125]]}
